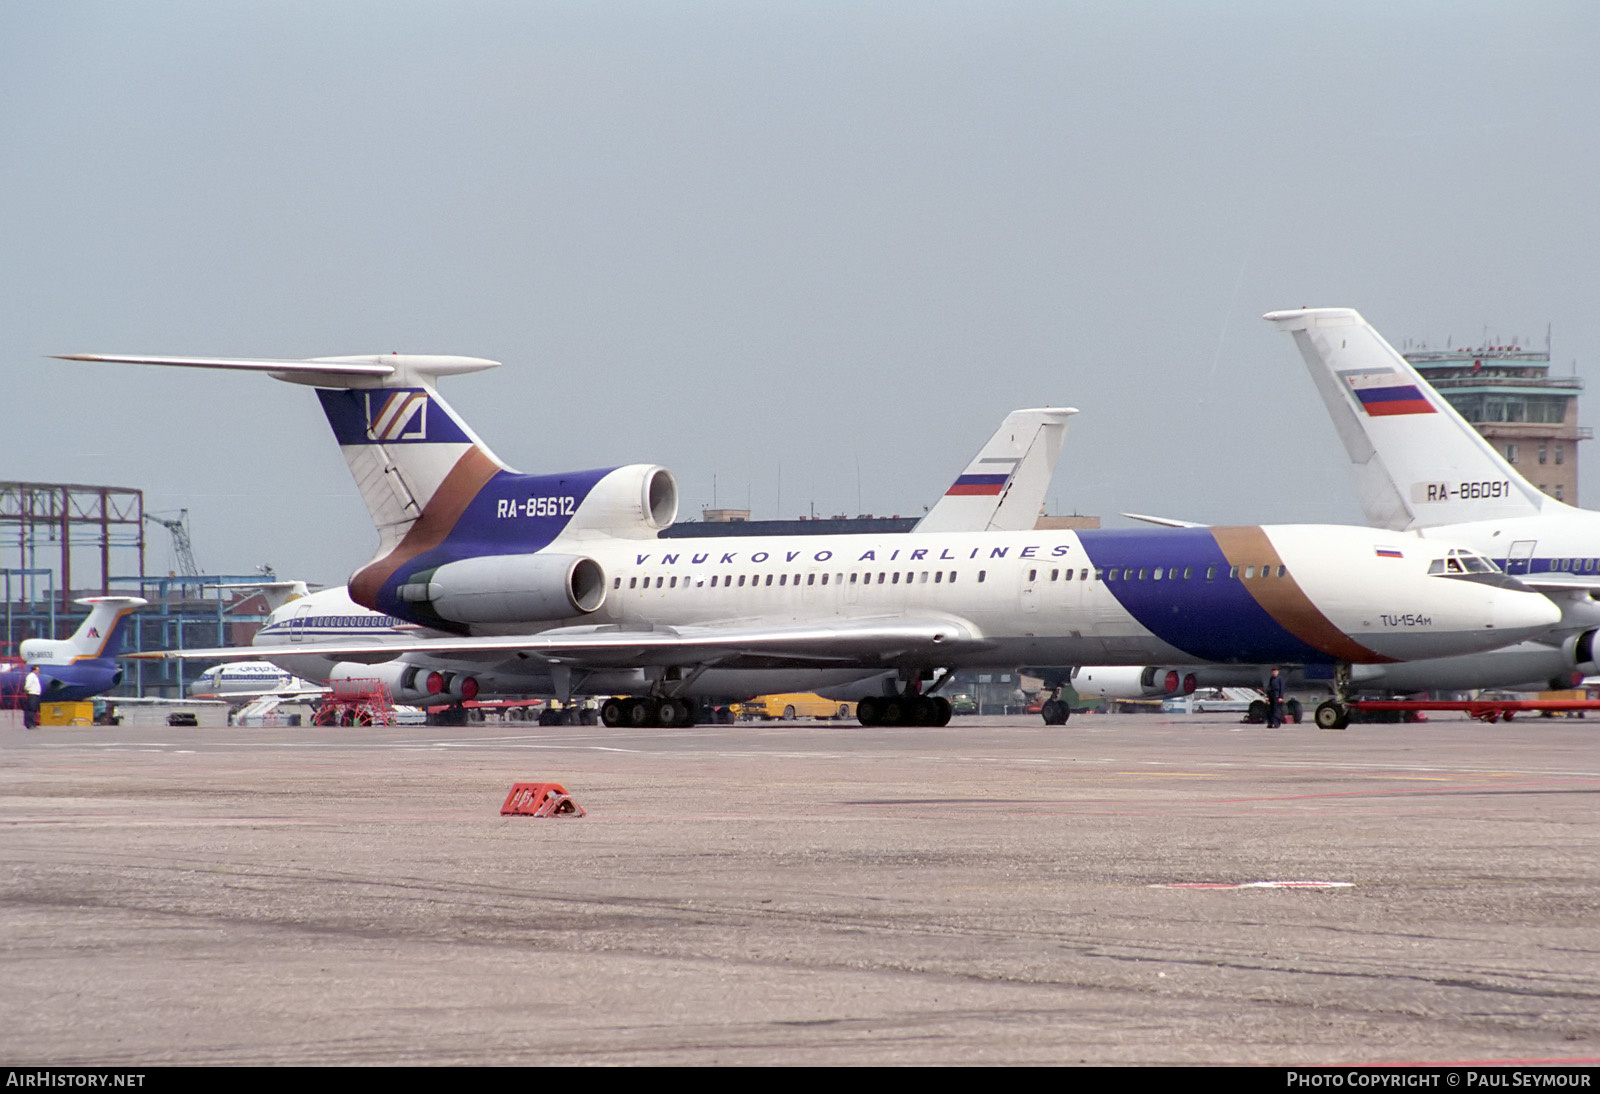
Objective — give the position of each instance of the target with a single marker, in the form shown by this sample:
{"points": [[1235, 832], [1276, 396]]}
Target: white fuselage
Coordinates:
{"points": [[1053, 598]]}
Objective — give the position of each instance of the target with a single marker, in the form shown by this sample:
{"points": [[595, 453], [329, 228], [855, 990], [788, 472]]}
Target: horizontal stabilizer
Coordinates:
{"points": [[1165, 522], [361, 371]]}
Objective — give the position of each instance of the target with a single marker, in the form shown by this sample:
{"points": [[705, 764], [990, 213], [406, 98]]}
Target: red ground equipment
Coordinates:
{"points": [[540, 800], [1484, 710], [356, 702]]}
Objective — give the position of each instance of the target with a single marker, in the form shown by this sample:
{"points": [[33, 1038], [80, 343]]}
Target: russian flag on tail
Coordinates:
{"points": [[1386, 392], [978, 484]]}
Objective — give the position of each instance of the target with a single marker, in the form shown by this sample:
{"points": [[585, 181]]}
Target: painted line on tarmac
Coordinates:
{"points": [[1254, 885]]}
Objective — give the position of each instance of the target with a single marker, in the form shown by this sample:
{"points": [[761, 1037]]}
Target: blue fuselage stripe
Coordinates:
{"points": [[1216, 620]]}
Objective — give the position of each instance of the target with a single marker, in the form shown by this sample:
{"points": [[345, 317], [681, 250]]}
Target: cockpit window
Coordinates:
{"points": [[1462, 562]]}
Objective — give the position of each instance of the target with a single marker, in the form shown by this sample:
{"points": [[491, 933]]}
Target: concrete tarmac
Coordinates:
{"points": [[995, 891]]}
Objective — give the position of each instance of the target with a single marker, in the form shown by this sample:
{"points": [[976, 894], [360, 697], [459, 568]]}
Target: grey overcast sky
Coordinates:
{"points": [[771, 243]]}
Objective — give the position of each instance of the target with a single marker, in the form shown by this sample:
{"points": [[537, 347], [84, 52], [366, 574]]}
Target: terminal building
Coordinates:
{"points": [[1508, 394]]}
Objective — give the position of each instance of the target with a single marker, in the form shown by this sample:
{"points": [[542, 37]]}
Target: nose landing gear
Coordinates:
{"points": [[1335, 713]]}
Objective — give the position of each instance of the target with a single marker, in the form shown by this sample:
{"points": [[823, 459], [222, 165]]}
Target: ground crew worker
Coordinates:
{"points": [[1274, 700], [32, 692]]}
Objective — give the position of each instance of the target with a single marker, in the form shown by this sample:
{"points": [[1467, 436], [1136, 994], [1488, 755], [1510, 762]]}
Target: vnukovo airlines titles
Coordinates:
{"points": [[589, 593]]}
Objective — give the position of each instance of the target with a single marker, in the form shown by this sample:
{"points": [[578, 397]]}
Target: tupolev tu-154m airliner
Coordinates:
{"points": [[1002, 487], [565, 574]]}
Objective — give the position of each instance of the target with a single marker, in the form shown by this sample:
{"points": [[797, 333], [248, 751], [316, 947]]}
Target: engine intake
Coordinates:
{"points": [[513, 588], [1581, 653]]}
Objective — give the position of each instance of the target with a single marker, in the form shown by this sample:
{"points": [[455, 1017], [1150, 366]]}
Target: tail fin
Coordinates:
{"points": [[1004, 487], [424, 475], [99, 637], [102, 633], [1417, 463], [403, 443]]}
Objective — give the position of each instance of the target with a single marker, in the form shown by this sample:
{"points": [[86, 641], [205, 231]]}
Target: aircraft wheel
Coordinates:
{"points": [[945, 710], [672, 712], [1292, 711], [924, 711], [1331, 715], [1055, 712], [612, 713], [893, 711], [1257, 714], [640, 711], [869, 711]]}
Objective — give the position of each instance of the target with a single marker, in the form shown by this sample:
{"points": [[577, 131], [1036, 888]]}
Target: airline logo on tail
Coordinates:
{"points": [[397, 415], [389, 415], [1386, 392]]}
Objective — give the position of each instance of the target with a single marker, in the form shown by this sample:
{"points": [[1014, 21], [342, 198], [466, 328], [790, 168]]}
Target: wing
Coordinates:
{"points": [[1553, 580], [869, 643]]}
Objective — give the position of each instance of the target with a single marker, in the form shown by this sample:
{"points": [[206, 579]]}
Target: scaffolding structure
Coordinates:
{"points": [[54, 520], [42, 527]]}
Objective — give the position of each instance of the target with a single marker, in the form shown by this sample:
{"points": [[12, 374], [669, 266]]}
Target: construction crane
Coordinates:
{"points": [[181, 549]]}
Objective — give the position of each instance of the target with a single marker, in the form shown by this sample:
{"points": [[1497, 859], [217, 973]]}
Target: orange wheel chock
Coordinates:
{"points": [[540, 800]]}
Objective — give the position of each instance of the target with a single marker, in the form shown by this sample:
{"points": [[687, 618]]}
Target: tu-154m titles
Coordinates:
{"points": [[566, 572]]}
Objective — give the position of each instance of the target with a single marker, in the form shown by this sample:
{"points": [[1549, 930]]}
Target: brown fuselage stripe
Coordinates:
{"points": [[1283, 599], [470, 474]]}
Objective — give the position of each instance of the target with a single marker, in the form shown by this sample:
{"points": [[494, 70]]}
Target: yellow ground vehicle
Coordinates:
{"points": [[788, 707]]}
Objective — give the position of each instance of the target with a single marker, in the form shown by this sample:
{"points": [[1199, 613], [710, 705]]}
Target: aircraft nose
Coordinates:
{"points": [[1521, 615]]}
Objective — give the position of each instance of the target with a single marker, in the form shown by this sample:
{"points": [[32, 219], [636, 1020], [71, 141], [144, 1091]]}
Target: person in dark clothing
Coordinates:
{"points": [[1274, 699]]}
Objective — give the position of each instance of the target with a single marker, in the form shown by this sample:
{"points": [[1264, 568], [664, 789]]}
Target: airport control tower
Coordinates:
{"points": [[1508, 394]]}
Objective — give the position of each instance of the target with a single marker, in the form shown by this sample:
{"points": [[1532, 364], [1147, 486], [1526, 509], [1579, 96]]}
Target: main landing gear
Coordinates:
{"points": [[645, 711], [1055, 710]]}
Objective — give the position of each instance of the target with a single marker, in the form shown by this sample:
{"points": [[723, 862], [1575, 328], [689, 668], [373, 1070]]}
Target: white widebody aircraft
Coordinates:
{"points": [[565, 574], [1419, 467]]}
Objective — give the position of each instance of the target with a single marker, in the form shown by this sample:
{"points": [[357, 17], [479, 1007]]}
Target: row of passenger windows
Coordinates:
{"points": [[942, 577], [329, 621], [1174, 573], [939, 577], [1574, 565]]}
